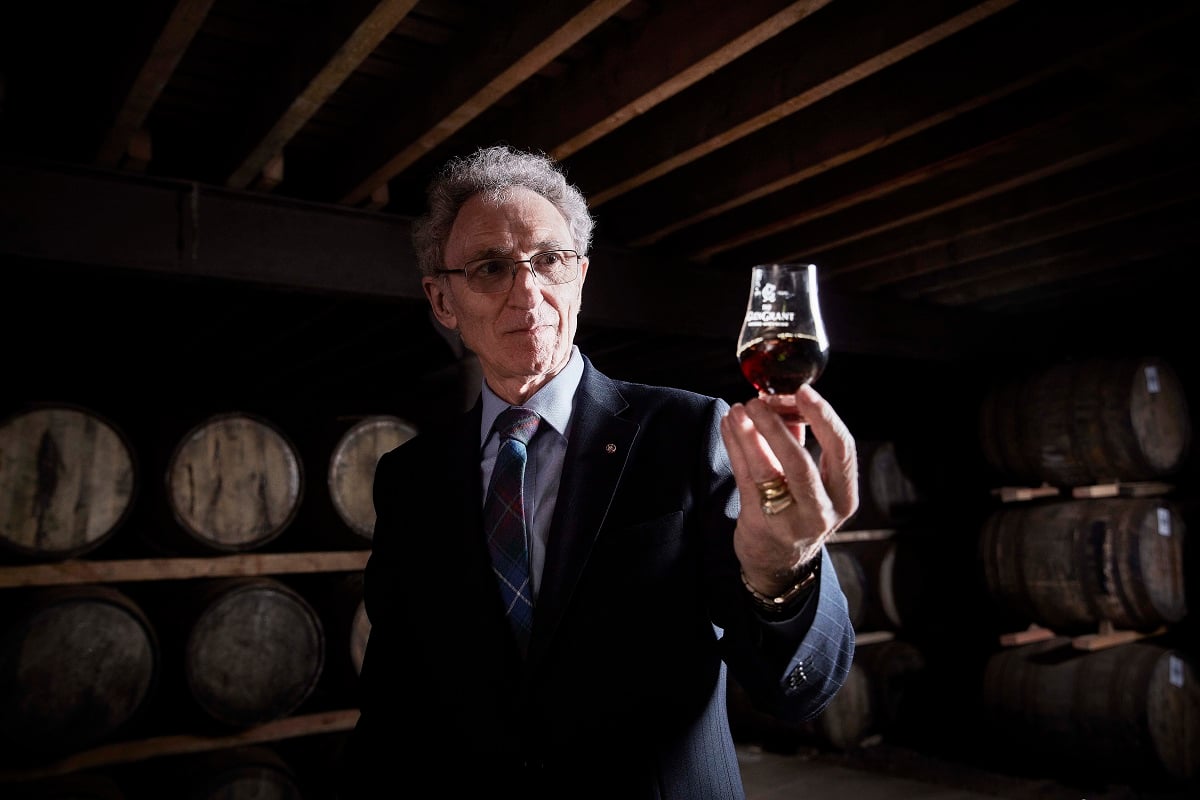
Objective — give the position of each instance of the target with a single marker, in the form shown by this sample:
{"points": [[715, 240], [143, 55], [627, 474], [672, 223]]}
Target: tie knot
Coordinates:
{"points": [[516, 423]]}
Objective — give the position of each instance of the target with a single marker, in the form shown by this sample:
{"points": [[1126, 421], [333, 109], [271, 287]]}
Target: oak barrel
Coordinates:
{"points": [[1132, 710], [1092, 421], [853, 581], [1071, 564], [352, 467], [849, 718], [338, 599], [77, 664], [241, 773], [71, 786], [67, 481], [878, 697], [886, 582], [234, 482], [887, 494], [254, 651]]}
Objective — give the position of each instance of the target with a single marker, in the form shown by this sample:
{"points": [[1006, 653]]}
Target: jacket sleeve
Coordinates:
{"points": [[790, 668]]}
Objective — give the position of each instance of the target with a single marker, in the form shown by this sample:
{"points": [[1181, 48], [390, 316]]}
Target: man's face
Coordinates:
{"points": [[523, 336]]}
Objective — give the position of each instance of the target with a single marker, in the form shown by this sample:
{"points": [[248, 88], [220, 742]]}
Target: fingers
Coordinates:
{"points": [[760, 445], [749, 455], [839, 456]]}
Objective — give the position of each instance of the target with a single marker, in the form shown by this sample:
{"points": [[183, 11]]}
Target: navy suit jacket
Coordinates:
{"points": [[640, 612]]}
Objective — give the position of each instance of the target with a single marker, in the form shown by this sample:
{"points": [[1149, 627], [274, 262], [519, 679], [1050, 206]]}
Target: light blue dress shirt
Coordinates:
{"points": [[554, 403]]}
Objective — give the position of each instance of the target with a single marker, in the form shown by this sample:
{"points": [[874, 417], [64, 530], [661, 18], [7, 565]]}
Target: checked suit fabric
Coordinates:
{"points": [[504, 519]]}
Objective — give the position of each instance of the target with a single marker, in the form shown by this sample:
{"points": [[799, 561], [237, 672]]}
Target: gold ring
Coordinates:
{"points": [[772, 487], [773, 495], [775, 505]]}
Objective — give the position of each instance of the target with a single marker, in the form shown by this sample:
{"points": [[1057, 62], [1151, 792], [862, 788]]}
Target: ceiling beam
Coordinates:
{"points": [[191, 230], [805, 66], [328, 73], [476, 83], [653, 66], [165, 53]]}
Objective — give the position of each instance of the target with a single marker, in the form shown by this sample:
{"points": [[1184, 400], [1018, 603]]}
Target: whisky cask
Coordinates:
{"points": [[1069, 565], [254, 652], [67, 482], [883, 580], [77, 665], [887, 493], [234, 482], [240, 773], [1092, 421], [879, 695], [351, 472], [1129, 711]]}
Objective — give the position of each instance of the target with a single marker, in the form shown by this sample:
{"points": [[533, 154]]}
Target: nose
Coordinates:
{"points": [[527, 274], [525, 281]]}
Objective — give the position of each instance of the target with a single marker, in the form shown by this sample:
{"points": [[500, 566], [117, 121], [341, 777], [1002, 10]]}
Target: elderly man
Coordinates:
{"points": [[561, 578]]}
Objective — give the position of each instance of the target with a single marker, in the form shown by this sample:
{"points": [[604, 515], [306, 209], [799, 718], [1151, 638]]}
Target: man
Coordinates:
{"points": [[669, 537]]}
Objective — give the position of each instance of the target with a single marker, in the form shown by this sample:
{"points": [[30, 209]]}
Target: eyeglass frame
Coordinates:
{"points": [[578, 258]]}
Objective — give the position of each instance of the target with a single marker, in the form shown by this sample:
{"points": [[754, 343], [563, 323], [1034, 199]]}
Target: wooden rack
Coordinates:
{"points": [[77, 571], [132, 751], [80, 571]]}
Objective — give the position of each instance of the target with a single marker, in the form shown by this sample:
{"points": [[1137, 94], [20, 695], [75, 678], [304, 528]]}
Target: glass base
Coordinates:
{"points": [[785, 406]]}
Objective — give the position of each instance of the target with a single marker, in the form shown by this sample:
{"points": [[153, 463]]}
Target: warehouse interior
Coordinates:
{"points": [[205, 211]]}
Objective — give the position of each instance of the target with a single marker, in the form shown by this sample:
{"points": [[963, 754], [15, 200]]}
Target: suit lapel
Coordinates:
{"points": [[596, 456]]}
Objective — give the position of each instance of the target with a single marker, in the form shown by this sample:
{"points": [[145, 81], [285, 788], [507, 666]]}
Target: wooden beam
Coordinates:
{"points": [[990, 180], [185, 20], [781, 97], [653, 66], [81, 571], [140, 151], [193, 230], [790, 155], [1126, 241], [134, 751], [358, 45], [941, 241], [477, 83], [199, 231], [271, 176], [1128, 225], [378, 199]]}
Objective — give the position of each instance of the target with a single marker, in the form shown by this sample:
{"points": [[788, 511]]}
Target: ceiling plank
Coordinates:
{"points": [[806, 67], [1102, 224], [856, 123], [172, 42], [1130, 242], [361, 42], [1096, 135], [187, 230], [983, 132], [655, 65], [952, 247], [533, 40]]}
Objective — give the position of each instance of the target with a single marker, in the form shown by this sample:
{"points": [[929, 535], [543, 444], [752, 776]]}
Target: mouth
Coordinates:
{"points": [[532, 326]]}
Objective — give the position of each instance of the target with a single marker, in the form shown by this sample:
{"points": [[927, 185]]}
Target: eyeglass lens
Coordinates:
{"points": [[497, 274]]}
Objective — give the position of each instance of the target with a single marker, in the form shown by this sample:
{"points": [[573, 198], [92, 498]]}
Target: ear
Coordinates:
{"points": [[440, 301]]}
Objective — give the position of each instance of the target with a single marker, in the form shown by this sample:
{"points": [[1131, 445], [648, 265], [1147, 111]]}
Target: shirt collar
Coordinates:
{"points": [[552, 402]]}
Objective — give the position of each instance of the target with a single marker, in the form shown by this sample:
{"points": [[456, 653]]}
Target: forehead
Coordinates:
{"points": [[520, 219]]}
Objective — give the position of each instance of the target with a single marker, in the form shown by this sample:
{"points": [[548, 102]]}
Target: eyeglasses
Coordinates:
{"points": [[488, 275]]}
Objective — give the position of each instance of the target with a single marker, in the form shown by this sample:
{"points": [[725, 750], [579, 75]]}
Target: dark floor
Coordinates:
{"points": [[885, 772]]}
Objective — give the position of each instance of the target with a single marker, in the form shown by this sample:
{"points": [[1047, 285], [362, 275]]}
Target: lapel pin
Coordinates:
{"points": [[610, 448]]}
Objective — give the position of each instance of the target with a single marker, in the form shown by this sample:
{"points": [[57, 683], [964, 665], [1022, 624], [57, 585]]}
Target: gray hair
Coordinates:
{"points": [[494, 170]]}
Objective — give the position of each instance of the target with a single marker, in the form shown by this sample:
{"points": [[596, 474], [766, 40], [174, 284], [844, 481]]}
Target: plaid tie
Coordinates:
{"points": [[504, 519]]}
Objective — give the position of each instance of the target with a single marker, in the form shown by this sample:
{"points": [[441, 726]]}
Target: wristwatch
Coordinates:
{"points": [[782, 603]]}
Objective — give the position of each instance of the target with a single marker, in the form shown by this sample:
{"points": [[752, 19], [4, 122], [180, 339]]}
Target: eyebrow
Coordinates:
{"points": [[501, 252]]}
